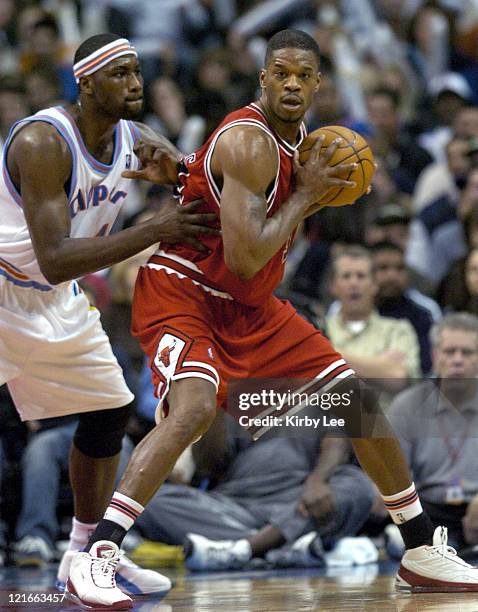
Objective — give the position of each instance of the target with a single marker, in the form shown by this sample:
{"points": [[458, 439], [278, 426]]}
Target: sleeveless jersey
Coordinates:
{"points": [[95, 194], [196, 181]]}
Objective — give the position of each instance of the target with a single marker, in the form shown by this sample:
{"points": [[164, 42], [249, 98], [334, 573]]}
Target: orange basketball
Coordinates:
{"points": [[353, 148]]}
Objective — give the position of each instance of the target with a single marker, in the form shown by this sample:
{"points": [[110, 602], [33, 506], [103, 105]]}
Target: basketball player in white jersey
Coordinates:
{"points": [[60, 192]]}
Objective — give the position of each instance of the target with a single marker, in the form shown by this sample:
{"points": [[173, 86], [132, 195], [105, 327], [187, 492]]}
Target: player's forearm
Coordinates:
{"points": [[262, 238], [381, 367], [75, 257], [334, 452]]}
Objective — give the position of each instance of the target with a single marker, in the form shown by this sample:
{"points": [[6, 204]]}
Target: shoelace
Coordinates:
{"points": [[105, 567], [446, 551]]}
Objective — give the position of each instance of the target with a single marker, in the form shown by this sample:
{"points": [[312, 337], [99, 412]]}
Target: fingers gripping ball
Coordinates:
{"points": [[352, 149]]}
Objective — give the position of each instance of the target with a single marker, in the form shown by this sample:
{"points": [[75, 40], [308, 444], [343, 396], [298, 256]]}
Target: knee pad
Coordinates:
{"points": [[99, 434]]}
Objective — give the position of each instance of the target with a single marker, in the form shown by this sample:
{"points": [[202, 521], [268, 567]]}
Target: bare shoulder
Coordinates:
{"points": [[246, 150], [39, 144]]}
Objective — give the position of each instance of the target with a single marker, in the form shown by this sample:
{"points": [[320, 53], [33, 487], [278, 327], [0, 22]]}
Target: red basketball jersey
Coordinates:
{"points": [[196, 181]]}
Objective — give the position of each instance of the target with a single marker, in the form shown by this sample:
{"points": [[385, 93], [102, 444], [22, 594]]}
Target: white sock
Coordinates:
{"points": [[80, 534], [123, 510], [403, 506]]}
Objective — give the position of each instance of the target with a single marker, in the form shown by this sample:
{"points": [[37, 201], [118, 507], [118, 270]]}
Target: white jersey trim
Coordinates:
{"points": [[207, 161], [214, 292], [284, 145]]}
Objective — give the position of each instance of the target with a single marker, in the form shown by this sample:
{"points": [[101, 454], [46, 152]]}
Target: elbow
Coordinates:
{"points": [[52, 272], [243, 267]]}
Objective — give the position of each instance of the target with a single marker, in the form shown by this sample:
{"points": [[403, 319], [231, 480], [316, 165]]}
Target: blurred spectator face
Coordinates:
{"points": [[397, 233], [472, 186], [458, 161], [390, 273], [465, 124], [447, 106], [42, 91], [456, 354], [383, 115], [424, 27], [7, 8], [13, 107], [326, 105], [213, 74], [353, 285], [164, 94], [167, 103], [27, 19], [44, 41], [471, 273]]}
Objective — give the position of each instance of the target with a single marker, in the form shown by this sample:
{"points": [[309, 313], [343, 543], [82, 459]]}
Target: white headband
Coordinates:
{"points": [[102, 56]]}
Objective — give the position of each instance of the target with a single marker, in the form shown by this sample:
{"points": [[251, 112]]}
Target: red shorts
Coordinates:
{"points": [[188, 331]]}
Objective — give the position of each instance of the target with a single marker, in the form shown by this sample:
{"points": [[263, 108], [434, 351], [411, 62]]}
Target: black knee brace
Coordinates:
{"points": [[99, 434]]}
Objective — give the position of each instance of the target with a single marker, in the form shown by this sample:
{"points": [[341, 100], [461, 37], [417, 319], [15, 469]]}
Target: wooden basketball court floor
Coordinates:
{"points": [[368, 588]]}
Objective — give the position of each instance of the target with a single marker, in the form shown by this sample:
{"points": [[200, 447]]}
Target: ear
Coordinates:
{"points": [[316, 88], [86, 85], [262, 78]]}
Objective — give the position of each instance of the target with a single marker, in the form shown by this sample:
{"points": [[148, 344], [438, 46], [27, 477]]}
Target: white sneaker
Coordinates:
{"points": [[204, 554], [32, 551], [130, 578], [91, 581], [306, 551], [351, 551], [436, 569]]}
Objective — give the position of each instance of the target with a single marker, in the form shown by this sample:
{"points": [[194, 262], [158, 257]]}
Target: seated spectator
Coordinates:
{"points": [[43, 88], [445, 177], [396, 299], [391, 223], [459, 289], [376, 347], [257, 502], [46, 48], [437, 233], [44, 466], [13, 105], [403, 158], [450, 93], [436, 424], [169, 116]]}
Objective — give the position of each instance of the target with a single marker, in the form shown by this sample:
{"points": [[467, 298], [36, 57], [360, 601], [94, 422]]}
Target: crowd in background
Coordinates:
{"points": [[403, 73]]}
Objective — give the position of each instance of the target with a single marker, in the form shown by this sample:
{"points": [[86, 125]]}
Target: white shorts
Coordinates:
{"points": [[54, 354]]}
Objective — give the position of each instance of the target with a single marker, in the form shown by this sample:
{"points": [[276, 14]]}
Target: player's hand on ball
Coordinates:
{"points": [[175, 223], [315, 177], [159, 165]]}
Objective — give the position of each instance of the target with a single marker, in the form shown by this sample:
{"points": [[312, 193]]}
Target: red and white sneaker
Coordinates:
{"points": [[91, 582], [436, 569]]}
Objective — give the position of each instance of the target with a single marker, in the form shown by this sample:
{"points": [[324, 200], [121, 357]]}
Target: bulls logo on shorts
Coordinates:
{"points": [[169, 351]]}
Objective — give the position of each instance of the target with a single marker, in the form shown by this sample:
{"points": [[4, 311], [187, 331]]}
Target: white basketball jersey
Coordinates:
{"points": [[95, 194]]}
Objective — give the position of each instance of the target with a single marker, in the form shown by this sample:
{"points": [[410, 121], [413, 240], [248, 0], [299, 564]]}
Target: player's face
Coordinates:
{"points": [[353, 285], [390, 273], [289, 83], [456, 355], [118, 88]]}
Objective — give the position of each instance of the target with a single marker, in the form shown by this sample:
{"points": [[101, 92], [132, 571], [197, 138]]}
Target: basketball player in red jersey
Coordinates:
{"points": [[205, 319]]}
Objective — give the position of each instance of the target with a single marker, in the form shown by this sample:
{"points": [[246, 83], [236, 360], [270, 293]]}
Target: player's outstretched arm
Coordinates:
{"points": [[246, 158], [39, 162]]}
